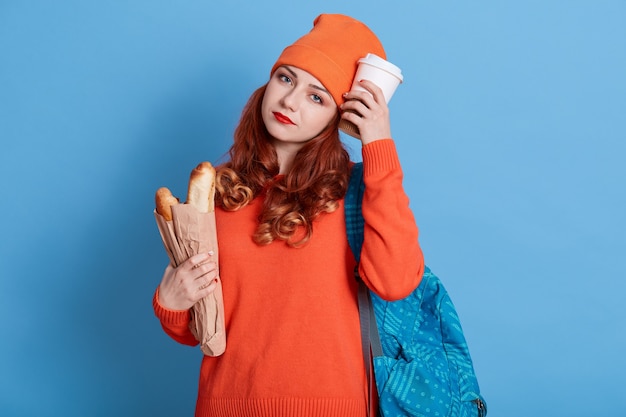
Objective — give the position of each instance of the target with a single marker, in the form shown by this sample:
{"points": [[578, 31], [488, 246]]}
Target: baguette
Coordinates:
{"points": [[164, 202], [201, 191]]}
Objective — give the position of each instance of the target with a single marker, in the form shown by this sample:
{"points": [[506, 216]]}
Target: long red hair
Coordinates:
{"points": [[317, 180]]}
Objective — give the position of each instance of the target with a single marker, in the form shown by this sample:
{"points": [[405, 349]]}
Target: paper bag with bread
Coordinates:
{"points": [[188, 229]]}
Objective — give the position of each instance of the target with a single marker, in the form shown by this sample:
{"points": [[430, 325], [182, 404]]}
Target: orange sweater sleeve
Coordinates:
{"points": [[392, 263], [174, 322]]}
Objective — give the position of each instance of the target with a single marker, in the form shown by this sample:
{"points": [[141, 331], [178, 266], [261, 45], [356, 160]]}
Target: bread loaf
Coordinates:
{"points": [[201, 191], [200, 194], [164, 202]]}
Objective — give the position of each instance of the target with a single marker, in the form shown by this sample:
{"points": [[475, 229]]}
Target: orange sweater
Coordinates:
{"points": [[292, 322]]}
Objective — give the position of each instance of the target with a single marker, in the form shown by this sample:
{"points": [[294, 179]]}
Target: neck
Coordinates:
{"points": [[286, 153]]}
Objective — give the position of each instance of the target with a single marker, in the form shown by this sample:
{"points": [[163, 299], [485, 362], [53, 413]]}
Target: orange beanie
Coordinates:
{"points": [[330, 51]]}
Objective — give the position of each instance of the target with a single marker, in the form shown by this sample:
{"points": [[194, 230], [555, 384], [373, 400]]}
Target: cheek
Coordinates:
{"points": [[329, 116], [265, 104], [321, 119], [264, 100]]}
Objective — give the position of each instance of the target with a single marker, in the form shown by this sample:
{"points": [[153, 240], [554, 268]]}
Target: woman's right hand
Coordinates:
{"points": [[188, 283]]}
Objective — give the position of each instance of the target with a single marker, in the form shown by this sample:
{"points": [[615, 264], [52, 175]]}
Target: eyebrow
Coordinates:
{"points": [[317, 87]]}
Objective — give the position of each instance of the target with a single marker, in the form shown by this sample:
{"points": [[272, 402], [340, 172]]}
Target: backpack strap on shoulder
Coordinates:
{"points": [[370, 338]]}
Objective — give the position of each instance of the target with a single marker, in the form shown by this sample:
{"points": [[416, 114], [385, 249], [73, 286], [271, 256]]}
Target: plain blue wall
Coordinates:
{"points": [[511, 130]]}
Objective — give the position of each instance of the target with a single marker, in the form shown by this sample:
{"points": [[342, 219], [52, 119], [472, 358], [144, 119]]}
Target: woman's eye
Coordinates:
{"points": [[284, 78], [316, 98]]}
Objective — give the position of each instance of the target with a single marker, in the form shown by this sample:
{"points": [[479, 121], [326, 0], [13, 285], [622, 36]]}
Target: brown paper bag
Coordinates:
{"points": [[191, 232]]}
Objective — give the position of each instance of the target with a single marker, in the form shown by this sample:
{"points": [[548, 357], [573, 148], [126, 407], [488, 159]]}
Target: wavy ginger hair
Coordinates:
{"points": [[316, 181]]}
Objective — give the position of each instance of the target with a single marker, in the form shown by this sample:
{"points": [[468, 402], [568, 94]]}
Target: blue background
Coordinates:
{"points": [[511, 130]]}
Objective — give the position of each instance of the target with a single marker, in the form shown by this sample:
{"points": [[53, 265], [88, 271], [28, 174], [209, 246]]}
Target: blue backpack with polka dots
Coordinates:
{"points": [[422, 365]]}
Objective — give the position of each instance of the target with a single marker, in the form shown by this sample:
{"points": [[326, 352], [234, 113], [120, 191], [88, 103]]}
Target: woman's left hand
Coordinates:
{"points": [[368, 111]]}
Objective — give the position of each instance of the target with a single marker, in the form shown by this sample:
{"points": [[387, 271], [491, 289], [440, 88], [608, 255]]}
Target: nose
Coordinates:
{"points": [[290, 100]]}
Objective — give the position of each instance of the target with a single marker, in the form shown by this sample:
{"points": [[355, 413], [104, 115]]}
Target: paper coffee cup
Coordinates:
{"points": [[383, 73]]}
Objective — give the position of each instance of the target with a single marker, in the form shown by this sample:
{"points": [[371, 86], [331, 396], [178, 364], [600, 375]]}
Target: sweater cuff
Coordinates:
{"points": [[167, 316], [380, 156]]}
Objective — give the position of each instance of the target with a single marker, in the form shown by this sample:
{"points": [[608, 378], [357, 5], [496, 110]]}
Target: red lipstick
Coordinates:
{"points": [[282, 118]]}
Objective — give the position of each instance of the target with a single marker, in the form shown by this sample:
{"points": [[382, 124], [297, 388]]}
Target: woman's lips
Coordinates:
{"points": [[282, 118]]}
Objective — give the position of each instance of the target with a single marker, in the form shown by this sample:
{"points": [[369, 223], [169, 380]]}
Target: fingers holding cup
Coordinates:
{"points": [[374, 76], [367, 110]]}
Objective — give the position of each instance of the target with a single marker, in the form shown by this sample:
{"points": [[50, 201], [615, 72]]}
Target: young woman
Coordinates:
{"points": [[292, 322]]}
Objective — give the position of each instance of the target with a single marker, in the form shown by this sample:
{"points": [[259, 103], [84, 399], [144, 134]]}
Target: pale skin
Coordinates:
{"points": [[191, 281], [196, 278], [296, 108], [373, 114]]}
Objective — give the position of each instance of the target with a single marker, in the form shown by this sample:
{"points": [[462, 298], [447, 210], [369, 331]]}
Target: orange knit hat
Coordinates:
{"points": [[330, 51]]}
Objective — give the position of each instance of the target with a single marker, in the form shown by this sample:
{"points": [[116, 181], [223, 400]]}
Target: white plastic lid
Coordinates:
{"points": [[376, 61]]}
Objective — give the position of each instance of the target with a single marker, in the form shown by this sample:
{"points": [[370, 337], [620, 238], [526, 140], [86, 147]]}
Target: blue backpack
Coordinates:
{"points": [[422, 365]]}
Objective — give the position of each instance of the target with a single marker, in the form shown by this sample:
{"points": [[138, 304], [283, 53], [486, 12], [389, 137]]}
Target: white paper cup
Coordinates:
{"points": [[383, 73]]}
